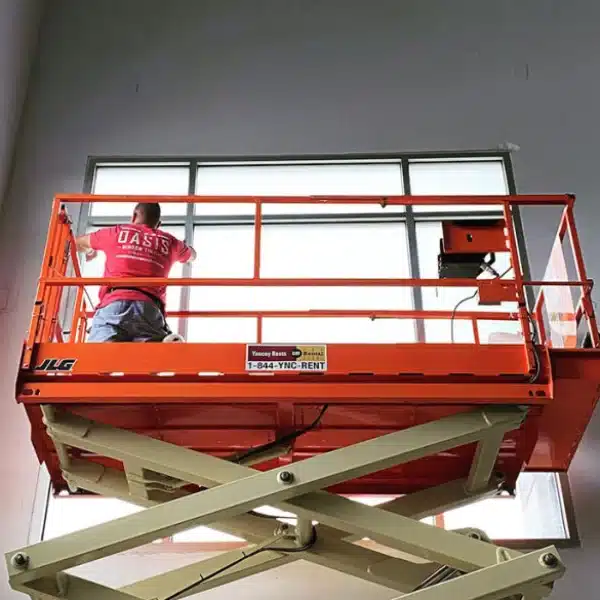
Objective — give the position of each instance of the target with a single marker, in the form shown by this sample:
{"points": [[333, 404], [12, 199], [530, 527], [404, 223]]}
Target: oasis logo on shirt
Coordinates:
{"points": [[144, 240]]}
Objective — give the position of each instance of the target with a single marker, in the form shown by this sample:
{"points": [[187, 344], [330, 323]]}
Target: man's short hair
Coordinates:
{"points": [[147, 214]]}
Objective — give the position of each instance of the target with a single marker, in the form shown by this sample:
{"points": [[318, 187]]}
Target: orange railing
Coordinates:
{"points": [[61, 269], [565, 316]]}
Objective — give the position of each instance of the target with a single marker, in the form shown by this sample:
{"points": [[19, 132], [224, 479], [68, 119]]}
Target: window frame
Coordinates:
{"points": [[409, 217]]}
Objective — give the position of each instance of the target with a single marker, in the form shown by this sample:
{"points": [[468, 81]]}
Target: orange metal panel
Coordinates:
{"points": [[468, 237], [341, 426], [378, 359], [300, 392], [563, 422]]}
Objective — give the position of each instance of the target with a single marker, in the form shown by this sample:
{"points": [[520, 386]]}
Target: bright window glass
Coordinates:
{"points": [[535, 513], [338, 330], [67, 514], [378, 179], [303, 251], [477, 177], [334, 251], [139, 181]]}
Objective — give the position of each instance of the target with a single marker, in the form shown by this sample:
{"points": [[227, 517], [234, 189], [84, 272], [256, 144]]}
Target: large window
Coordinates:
{"points": [[312, 241], [535, 515], [339, 241]]}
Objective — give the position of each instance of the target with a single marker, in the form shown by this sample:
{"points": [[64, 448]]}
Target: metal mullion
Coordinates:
{"points": [[108, 221], [413, 252], [568, 511], [372, 157], [139, 162], [184, 301]]}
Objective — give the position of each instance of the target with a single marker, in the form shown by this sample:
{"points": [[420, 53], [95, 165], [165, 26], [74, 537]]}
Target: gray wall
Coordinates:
{"points": [[19, 26], [226, 77]]}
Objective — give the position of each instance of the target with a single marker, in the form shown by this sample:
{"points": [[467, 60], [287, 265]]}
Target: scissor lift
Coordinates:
{"points": [[203, 434]]}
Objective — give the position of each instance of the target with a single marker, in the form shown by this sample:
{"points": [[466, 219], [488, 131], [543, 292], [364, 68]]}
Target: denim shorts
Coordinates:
{"points": [[128, 321]]}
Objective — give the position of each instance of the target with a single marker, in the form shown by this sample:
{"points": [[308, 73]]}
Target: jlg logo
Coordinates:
{"points": [[55, 364]]}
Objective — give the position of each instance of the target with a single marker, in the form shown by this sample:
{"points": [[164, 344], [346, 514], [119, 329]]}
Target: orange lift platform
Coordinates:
{"points": [[206, 433]]}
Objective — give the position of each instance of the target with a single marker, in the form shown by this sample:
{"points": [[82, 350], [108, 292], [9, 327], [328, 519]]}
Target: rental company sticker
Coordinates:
{"points": [[261, 357]]}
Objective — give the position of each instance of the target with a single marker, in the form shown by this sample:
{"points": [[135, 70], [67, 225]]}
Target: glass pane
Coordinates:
{"points": [[332, 250], [299, 180], [338, 330], [335, 251], [447, 298], [204, 535], [482, 178], [67, 514], [139, 181], [174, 292], [222, 329], [300, 298], [535, 512], [224, 251], [324, 250]]}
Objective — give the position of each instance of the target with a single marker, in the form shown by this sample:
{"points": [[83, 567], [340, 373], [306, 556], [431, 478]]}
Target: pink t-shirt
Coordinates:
{"points": [[137, 251]]}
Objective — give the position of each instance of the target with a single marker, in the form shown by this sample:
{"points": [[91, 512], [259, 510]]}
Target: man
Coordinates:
{"points": [[139, 249]]}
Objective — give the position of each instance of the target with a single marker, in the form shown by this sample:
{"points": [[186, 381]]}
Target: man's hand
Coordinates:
{"points": [[83, 243]]}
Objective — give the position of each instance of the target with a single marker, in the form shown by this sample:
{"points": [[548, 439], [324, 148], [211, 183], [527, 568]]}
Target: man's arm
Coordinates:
{"points": [[183, 253], [98, 240], [83, 243]]}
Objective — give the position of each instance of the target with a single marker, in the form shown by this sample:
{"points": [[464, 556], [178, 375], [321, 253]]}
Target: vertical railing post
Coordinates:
{"points": [[82, 326], [521, 299], [539, 318], [78, 308], [76, 314], [257, 258], [475, 331], [58, 268], [563, 223], [47, 260], [580, 269]]}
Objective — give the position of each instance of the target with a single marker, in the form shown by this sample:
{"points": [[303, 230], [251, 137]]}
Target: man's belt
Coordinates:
{"points": [[155, 299]]}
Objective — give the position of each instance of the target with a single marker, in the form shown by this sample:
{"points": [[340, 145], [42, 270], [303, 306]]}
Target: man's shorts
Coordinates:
{"points": [[129, 321]]}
